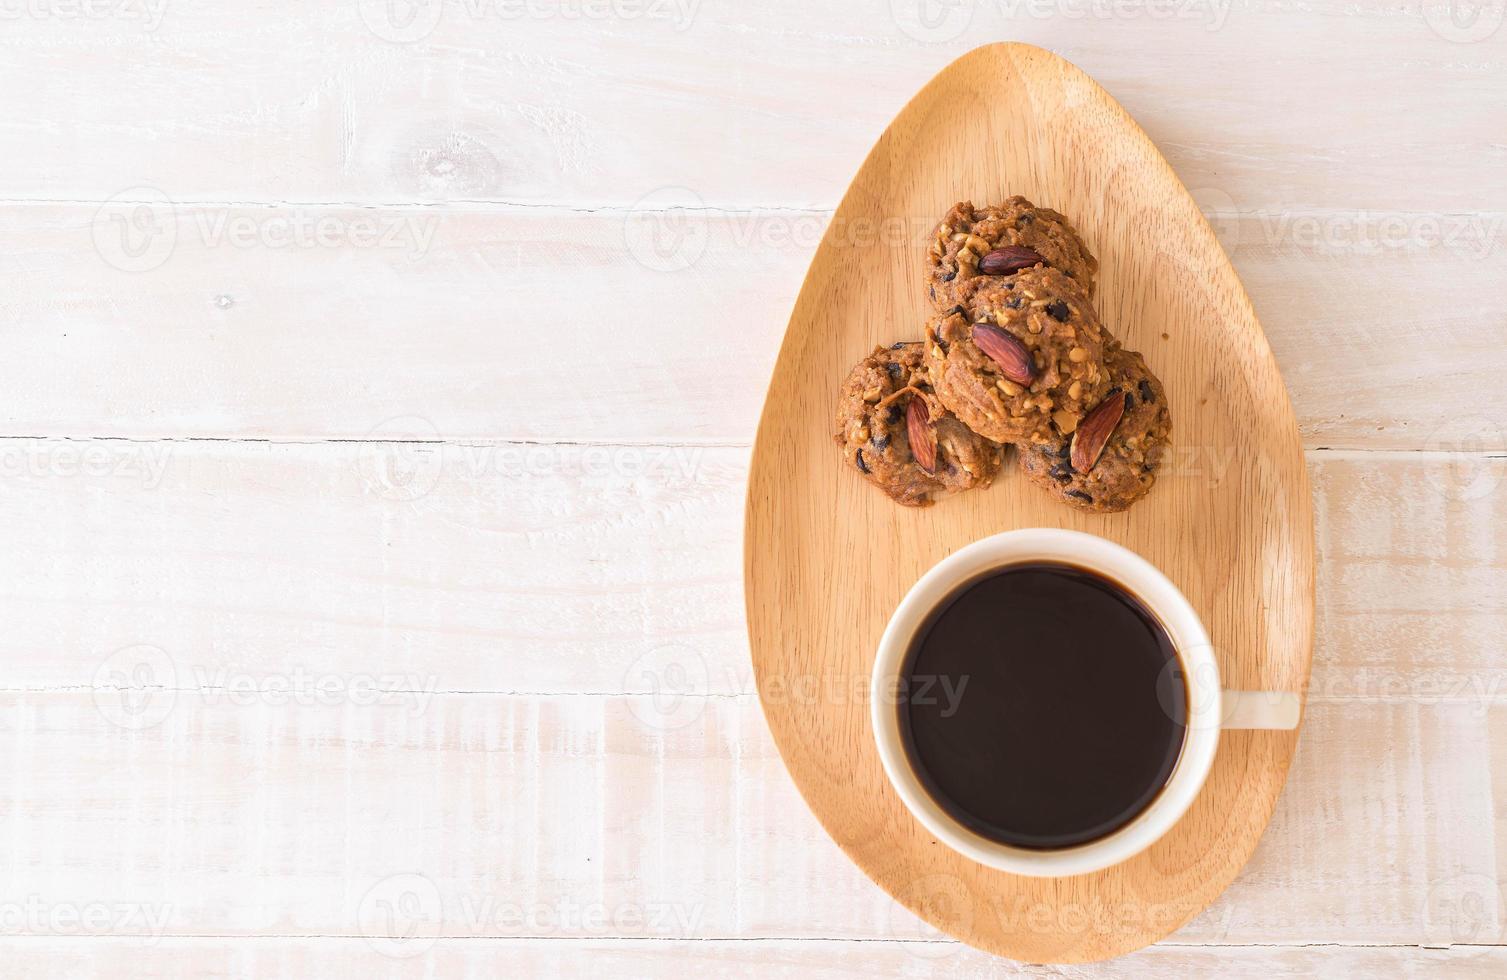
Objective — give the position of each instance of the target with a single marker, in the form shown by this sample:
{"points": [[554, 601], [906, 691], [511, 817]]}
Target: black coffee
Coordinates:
{"points": [[1042, 706]]}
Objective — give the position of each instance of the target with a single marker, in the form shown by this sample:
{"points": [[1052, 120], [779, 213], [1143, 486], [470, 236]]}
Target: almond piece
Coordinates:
{"points": [[1094, 431], [1011, 258], [1010, 354], [923, 438]]}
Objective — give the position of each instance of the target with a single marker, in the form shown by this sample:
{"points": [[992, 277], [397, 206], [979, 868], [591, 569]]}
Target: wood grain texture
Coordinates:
{"points": [[253, 326], [827, 558], [1386, 831], [500, 567], [227, 813], [211, 959], [745, 105], [534, 592], [384, 549]]}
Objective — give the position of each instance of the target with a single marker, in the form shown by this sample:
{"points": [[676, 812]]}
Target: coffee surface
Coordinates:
{"points": [[1042, 706]]}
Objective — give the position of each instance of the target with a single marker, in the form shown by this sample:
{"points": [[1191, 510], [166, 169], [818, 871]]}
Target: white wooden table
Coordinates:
{"points": [[379, 380]]}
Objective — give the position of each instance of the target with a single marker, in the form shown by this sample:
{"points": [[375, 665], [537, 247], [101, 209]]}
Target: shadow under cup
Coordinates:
{"points": [[1042, 705]]}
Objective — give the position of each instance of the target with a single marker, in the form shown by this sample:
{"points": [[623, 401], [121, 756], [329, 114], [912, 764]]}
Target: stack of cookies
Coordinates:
{"points": [[1015, 355]]}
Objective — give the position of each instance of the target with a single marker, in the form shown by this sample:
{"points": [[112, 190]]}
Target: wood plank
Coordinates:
{"points": [[200, 959], [255, 782], [596, 817], [1411, 549], [507, 567], [748, 105], [311, 323], [453, 568], [537, 609]]}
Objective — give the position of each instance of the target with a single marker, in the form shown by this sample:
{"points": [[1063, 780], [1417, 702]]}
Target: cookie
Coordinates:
{"points": [[1133, 449], [887, 402], [1022, 236], [1021, 357]]}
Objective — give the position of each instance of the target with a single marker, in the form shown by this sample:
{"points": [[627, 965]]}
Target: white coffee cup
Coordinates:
{"points": [[1210, 707]]}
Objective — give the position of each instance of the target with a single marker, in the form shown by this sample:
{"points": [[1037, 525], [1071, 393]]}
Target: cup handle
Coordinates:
{"points": [[1277, 710]]}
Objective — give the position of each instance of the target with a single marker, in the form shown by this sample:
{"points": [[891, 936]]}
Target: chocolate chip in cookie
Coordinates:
{"points": [[1108, 470], [896, 433], [1000, 241], [1012, 369]]}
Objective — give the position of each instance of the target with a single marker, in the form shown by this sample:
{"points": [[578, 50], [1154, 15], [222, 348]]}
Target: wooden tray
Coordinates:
{"points": [[827, 557]]}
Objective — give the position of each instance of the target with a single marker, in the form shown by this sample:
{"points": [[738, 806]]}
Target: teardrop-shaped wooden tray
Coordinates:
{"points": [[827, 557]]}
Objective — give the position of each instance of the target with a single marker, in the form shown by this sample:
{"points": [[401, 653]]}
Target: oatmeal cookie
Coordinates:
{"points": [[1022, 354], [894, 431], [1134, 441], [1020, 235]]}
